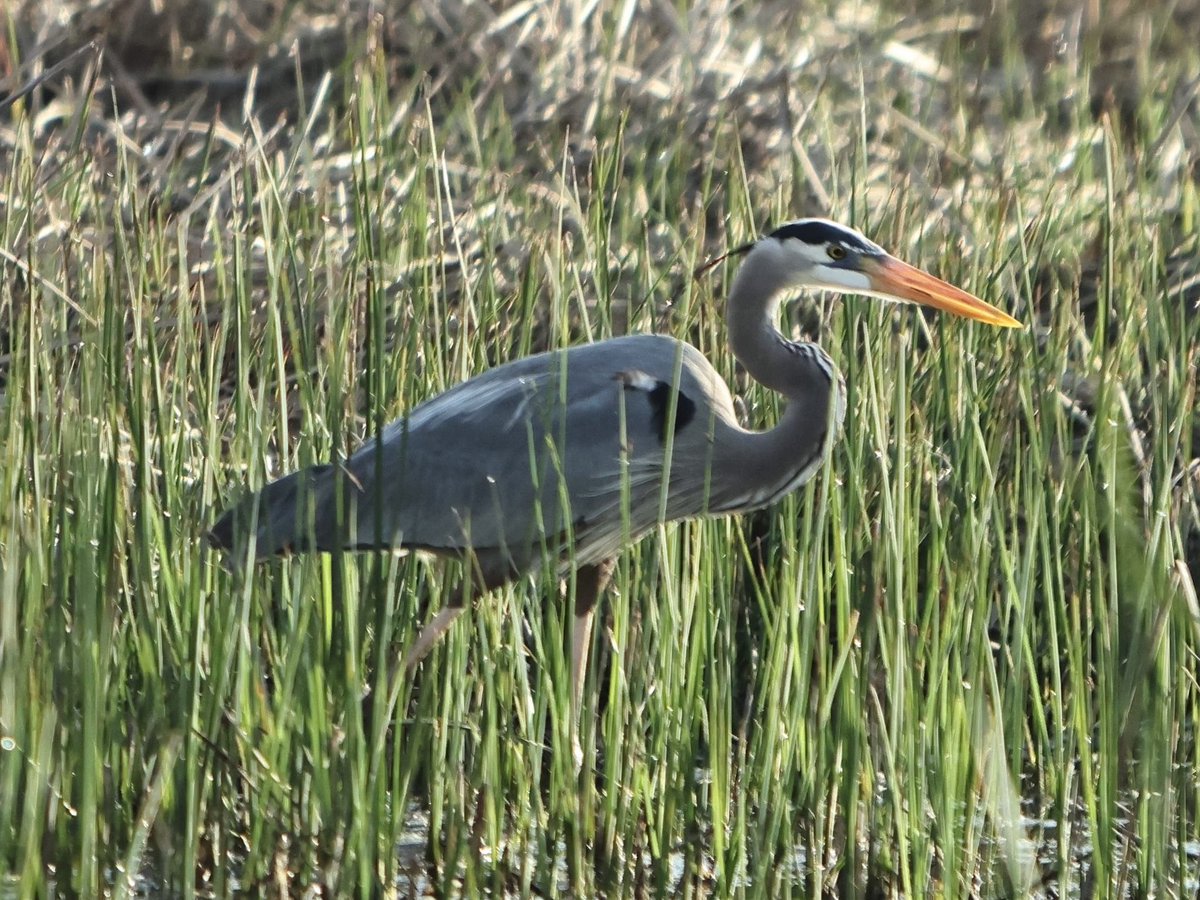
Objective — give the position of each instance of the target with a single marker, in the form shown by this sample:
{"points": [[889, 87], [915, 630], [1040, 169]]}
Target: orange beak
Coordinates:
{"points": [[898, 280]]}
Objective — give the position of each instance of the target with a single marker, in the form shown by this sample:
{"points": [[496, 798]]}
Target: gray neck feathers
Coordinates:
{"points": [[769, 464], [801, 372]]}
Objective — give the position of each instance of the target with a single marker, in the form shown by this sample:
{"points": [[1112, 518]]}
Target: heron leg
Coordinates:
{"points": [[431, 634], [456, 605], [481, 582], [590, 581]]}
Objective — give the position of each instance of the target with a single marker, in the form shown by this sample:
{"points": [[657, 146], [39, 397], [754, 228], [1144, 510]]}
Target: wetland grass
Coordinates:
{"points": [[961, 662]]}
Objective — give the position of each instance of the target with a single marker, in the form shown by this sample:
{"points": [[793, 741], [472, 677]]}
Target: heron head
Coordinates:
{"points": [[817, 253]]}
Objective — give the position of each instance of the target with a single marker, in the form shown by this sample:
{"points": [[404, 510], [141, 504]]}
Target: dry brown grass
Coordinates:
{"points": [[256, 180], [184, 93]]}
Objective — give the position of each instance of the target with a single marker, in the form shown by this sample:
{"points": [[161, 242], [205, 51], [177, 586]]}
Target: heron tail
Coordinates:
{"points": [[291, 515]]}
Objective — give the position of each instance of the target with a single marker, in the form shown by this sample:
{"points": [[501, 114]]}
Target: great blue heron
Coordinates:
{"points": [[572, 454]]}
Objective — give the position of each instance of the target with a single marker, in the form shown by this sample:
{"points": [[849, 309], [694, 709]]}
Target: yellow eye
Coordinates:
{"points": [[836, 251]]}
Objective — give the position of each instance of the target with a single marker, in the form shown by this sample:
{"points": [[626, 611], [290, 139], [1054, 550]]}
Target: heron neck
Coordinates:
{"points": [[800, 371], [773, 462]]}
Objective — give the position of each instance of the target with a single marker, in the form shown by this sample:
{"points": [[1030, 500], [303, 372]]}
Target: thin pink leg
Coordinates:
{"points": [[590, 581]]}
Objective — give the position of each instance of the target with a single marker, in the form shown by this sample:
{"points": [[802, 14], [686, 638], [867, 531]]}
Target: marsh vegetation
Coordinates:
{"points": [[961, 662]]}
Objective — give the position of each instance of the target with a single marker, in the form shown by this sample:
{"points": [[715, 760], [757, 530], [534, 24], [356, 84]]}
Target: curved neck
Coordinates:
{"points": [[801, 372], [765, 465]]}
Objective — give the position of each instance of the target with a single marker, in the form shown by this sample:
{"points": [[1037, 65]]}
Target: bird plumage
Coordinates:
{"points": [[565, 453], [572, 454]]}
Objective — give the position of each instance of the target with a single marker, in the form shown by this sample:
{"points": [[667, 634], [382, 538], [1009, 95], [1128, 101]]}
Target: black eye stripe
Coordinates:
{"points": [[819, 231]]}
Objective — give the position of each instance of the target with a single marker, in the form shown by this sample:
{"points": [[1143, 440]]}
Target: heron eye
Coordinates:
{"points": [[836, 251]]}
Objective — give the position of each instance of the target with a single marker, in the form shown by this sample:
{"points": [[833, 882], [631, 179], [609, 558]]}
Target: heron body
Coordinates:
{"points": [[572, 454]]}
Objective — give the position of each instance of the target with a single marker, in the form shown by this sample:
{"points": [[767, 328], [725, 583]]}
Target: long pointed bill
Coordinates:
{"points": [[893, 278]]}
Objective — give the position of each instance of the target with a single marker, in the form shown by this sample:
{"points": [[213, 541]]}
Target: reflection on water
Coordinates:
{"points": [[1032, 833], [1037, 841]]}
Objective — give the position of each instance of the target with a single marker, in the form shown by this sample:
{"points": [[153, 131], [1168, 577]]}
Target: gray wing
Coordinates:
{"points": [[563, 446]]}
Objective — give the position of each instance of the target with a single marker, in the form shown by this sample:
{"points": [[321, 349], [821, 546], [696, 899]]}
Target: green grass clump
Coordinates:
{"points": [[961, 662]]}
